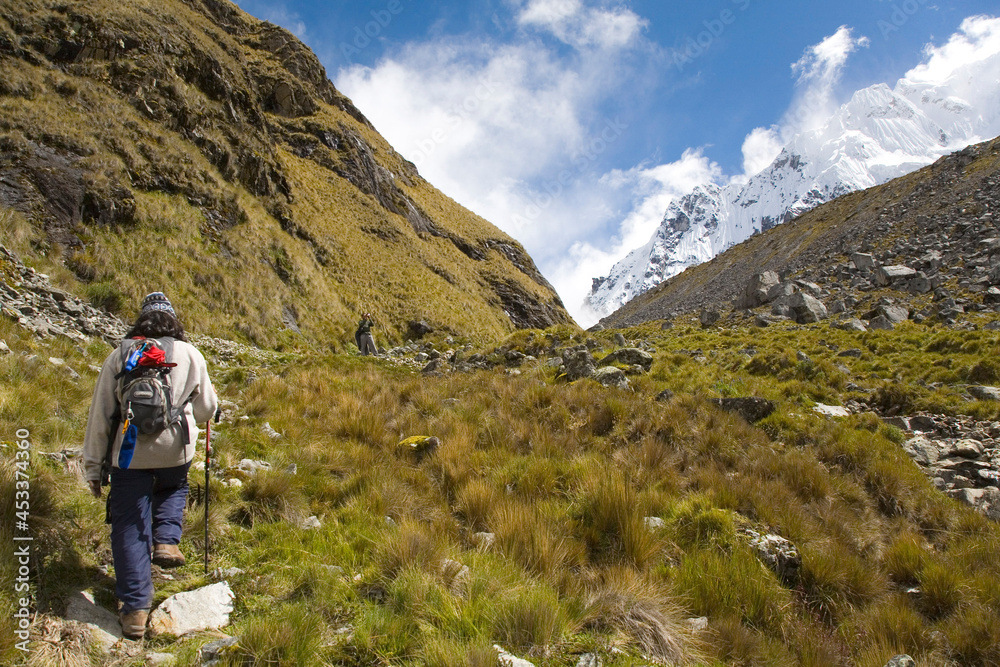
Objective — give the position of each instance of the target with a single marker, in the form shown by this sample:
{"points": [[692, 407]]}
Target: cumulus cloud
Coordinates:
{"points": [[509, 128], [978, 38], [760, 147], [818, 71], [583, 27]]}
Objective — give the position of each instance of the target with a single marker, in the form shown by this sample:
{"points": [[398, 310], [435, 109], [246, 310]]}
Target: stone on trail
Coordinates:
{"points": [[509, 660], [103, 624], [206, 608]]}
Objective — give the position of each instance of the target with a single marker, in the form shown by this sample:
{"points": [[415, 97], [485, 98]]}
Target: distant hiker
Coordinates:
{"points": [[363, 336], [150, 394]]}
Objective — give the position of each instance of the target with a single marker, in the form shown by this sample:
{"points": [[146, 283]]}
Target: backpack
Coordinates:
{"points": [[144, 396]]}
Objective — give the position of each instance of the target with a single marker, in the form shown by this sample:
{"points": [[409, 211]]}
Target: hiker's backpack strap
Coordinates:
{"points": [[177, 414]]}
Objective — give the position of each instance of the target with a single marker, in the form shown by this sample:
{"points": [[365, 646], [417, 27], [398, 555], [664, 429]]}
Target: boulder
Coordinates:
{"points": [[756, 291], [780, 290], [831, 410], [888, 276], [901, 660], [922, 450], [806, 309], [853, 324], [628, 356], [207, 608], [609, 376], [923, 423], [991, 297], [709, 317], [863, 261], [967, 448], [618, 339], [881, 323], [102, 623], [777, 553], [752, 409], [892, 313], [985, 393], [919, 284], [579, 364], [212, 653]]}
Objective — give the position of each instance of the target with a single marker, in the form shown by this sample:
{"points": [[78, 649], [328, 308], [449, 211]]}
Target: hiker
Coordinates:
{"points": [[363, 336], [148, 467]]}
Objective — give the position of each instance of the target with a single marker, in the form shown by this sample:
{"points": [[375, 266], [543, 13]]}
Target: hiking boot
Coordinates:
{"points": [[134, 623], [167, 555]]}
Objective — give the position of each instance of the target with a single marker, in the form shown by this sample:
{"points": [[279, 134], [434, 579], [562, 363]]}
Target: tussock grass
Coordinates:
{"points": [[564, 477]]}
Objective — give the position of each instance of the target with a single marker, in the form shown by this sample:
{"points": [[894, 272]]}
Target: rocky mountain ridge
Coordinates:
{"points": [[217, 143], [880, 134]]}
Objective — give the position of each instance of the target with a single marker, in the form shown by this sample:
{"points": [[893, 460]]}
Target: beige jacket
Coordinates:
{"points": [[189, 379]]}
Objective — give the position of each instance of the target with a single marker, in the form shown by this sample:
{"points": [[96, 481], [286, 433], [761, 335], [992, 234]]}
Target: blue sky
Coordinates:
{"points": [[570, 124]]}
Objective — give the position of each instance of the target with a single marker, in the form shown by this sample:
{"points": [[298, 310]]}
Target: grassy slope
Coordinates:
{"points": [[235, 279], [563, 475]]}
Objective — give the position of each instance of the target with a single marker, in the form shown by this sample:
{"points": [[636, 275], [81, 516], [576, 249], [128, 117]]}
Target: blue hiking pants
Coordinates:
{"points": [[147, 507]]}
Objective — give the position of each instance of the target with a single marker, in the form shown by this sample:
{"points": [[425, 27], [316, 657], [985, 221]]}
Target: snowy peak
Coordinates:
{"points": [[879, 134]]}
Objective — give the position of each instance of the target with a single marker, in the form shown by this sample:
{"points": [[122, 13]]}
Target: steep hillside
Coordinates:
{"points": [[948, 208], [187, 146]]}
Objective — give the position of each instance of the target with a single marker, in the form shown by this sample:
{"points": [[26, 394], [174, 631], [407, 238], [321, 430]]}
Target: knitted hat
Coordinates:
{"points": [[157, 301]]}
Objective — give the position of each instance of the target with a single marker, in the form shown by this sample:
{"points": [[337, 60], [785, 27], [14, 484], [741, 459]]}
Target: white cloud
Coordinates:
{"points": [[978, 38], [583, 27], [760, 147], [819, 70], [510, 130]]}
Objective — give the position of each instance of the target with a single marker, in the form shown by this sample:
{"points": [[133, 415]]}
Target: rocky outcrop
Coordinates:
{"points": [[28, 298], [960, 455]]}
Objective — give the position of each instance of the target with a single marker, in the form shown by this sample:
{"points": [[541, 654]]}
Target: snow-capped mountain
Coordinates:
{"points": [[880, 134]]}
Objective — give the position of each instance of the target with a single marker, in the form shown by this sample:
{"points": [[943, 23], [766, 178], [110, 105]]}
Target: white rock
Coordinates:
{"points": [[654, 522], [206, 608], [831, 410], [160, 659], [698, 624], [311, 523], [508, 660], [484, 541]]}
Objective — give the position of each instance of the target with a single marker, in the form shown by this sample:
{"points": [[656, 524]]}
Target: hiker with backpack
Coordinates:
{"points": [[363, 336], [141, 432]]}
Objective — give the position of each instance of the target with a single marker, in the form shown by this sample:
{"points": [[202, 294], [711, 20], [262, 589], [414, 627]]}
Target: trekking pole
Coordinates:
{"points": [[208, 454]]}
